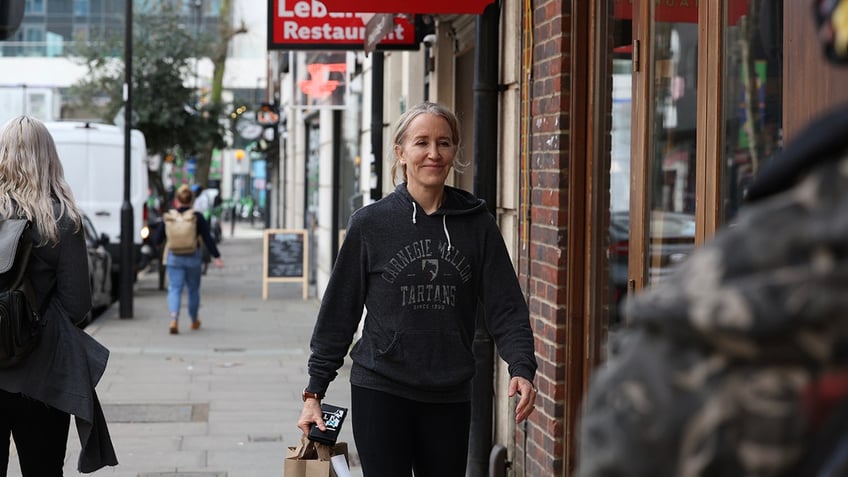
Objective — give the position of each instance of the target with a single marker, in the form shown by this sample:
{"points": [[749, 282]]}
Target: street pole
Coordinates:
{"points": [[377, 80], [486, 93], [127, 278]]}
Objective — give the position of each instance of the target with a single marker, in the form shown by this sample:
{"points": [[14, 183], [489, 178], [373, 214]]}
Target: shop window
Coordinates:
{"points": [[753, 94], [35, 7]]}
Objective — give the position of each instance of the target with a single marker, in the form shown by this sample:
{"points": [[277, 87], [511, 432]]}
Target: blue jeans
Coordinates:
{"points": [[184, 272]]}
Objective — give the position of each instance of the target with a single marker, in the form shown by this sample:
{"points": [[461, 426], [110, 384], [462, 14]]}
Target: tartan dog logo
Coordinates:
{"points": [[431, 268]]}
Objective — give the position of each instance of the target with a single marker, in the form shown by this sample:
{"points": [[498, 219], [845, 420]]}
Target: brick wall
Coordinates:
{"points": [[540, 449]]}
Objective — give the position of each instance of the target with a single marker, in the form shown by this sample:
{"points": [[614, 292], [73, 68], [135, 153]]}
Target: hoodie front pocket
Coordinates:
{"points": [[427, 359]]}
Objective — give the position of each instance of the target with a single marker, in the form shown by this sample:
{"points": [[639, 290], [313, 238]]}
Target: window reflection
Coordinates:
{"points": [[619, 174], [753, 94], [672, 156], [620, 178]]}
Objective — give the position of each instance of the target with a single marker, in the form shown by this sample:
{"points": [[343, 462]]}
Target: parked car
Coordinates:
{"points": [[99, 269], [672, 241]]}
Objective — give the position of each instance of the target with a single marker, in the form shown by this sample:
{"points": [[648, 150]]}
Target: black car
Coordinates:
{"points": [[672, 241], [99, 269]]}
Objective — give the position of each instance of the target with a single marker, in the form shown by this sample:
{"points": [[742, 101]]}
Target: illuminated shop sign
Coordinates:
{"points": [[325, 83], [447, 7], [308, 24]]}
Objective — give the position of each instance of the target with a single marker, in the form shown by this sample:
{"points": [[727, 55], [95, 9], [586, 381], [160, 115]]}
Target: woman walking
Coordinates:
{"points": [[185, 266], [39, 394], [423, 261]]}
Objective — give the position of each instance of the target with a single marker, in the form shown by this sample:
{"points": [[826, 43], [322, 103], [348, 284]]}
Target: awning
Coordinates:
{"points": [[445, 7]]}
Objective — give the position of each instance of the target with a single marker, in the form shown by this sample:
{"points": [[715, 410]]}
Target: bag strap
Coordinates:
{"points": [[40, 305], [23, 272]]}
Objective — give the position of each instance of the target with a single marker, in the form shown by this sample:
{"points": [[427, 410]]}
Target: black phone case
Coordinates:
{"points": [[334, 417]]}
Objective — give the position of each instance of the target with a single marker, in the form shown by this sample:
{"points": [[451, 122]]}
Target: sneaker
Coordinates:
{"points": [[174, 329], [195, 325]]}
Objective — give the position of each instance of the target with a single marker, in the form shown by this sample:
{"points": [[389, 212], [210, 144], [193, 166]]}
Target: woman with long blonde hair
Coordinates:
{"points": [[39, 394]]}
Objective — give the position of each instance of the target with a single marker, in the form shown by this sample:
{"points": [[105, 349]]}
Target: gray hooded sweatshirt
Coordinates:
{"points": [[421, 279]]}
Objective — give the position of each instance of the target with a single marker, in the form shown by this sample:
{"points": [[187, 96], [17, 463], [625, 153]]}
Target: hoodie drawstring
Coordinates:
{"points": [[444, 223], [445, 226]]}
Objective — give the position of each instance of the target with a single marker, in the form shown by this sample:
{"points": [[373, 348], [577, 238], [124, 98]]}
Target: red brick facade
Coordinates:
{"points": [[561, 198], [543, 264]]}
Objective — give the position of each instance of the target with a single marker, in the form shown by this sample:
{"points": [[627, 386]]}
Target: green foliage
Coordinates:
{"points": [[164, 107]]}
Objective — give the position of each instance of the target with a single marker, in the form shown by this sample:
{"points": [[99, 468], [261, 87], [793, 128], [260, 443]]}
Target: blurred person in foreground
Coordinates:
{"points": [[738, 365], [57, 380], [422, 261]]}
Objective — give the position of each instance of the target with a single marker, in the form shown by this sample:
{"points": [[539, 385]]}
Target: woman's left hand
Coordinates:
{"points": [[527, 397]]}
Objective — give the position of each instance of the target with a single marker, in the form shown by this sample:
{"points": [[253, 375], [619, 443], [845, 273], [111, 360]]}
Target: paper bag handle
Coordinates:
{"points": [[305, 448]]}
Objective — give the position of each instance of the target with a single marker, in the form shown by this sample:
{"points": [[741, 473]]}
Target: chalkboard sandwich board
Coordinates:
{"points": [[285, 258]]}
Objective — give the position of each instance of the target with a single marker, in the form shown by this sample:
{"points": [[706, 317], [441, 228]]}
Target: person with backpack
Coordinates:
{"points": [[43, 385], [182, 229], [738, 364]]}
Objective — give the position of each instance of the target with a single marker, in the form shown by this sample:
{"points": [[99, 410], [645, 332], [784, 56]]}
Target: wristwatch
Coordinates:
{"points": [[310, 394]]}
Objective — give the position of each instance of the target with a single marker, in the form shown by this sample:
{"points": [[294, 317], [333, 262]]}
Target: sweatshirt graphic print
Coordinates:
{"points": [[420, 262], [420, 279]]}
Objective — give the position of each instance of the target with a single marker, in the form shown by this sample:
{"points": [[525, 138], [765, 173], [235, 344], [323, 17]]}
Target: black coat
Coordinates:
{"points": [[68, 363]]}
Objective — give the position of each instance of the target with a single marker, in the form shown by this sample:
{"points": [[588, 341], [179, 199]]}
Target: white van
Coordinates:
{"points": [[92, 155]]}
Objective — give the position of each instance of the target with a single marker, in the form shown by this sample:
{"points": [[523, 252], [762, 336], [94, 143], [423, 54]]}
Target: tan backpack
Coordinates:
{"points": [[181, 232]]}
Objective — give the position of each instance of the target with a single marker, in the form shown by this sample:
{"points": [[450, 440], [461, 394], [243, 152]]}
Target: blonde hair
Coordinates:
{"points": [[402, 127], [32, 178], [184, 195]]}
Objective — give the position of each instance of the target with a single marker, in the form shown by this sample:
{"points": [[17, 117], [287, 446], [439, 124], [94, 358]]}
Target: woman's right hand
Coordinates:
{"points": [[310, 414]]}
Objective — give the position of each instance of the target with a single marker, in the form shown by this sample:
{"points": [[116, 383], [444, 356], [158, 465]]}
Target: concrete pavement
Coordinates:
{"points": [[221, 401]]}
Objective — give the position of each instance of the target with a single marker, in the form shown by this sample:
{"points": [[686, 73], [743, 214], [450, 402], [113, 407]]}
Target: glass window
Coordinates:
{"points": [[80, 32], [671, 158], [35, 7], [619, 231], [81, 8], [37, 105], [33, 37], [54, 44], [753, 94], [195, 7]]}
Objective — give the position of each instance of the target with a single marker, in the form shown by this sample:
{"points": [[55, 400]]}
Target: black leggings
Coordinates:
{"points": [[395, 436], [40, 433]]}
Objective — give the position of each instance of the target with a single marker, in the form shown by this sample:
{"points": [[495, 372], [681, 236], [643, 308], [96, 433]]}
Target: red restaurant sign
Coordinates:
{"points": [[309, 25], [409, 6]]}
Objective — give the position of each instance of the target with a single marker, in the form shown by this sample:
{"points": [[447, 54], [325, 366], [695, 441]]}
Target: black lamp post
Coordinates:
{"points": [[127, 279], [198, 27]]}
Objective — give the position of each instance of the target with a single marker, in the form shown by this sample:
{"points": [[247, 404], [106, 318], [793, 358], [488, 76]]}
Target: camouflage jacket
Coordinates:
{"points": [[726, 368]]}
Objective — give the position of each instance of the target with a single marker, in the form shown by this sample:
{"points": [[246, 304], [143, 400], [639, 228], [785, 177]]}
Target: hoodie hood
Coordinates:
{"points": [[456, 202]]}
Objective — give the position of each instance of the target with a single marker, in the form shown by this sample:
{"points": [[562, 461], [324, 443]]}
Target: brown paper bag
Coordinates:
{"points": [[310, 459]]}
